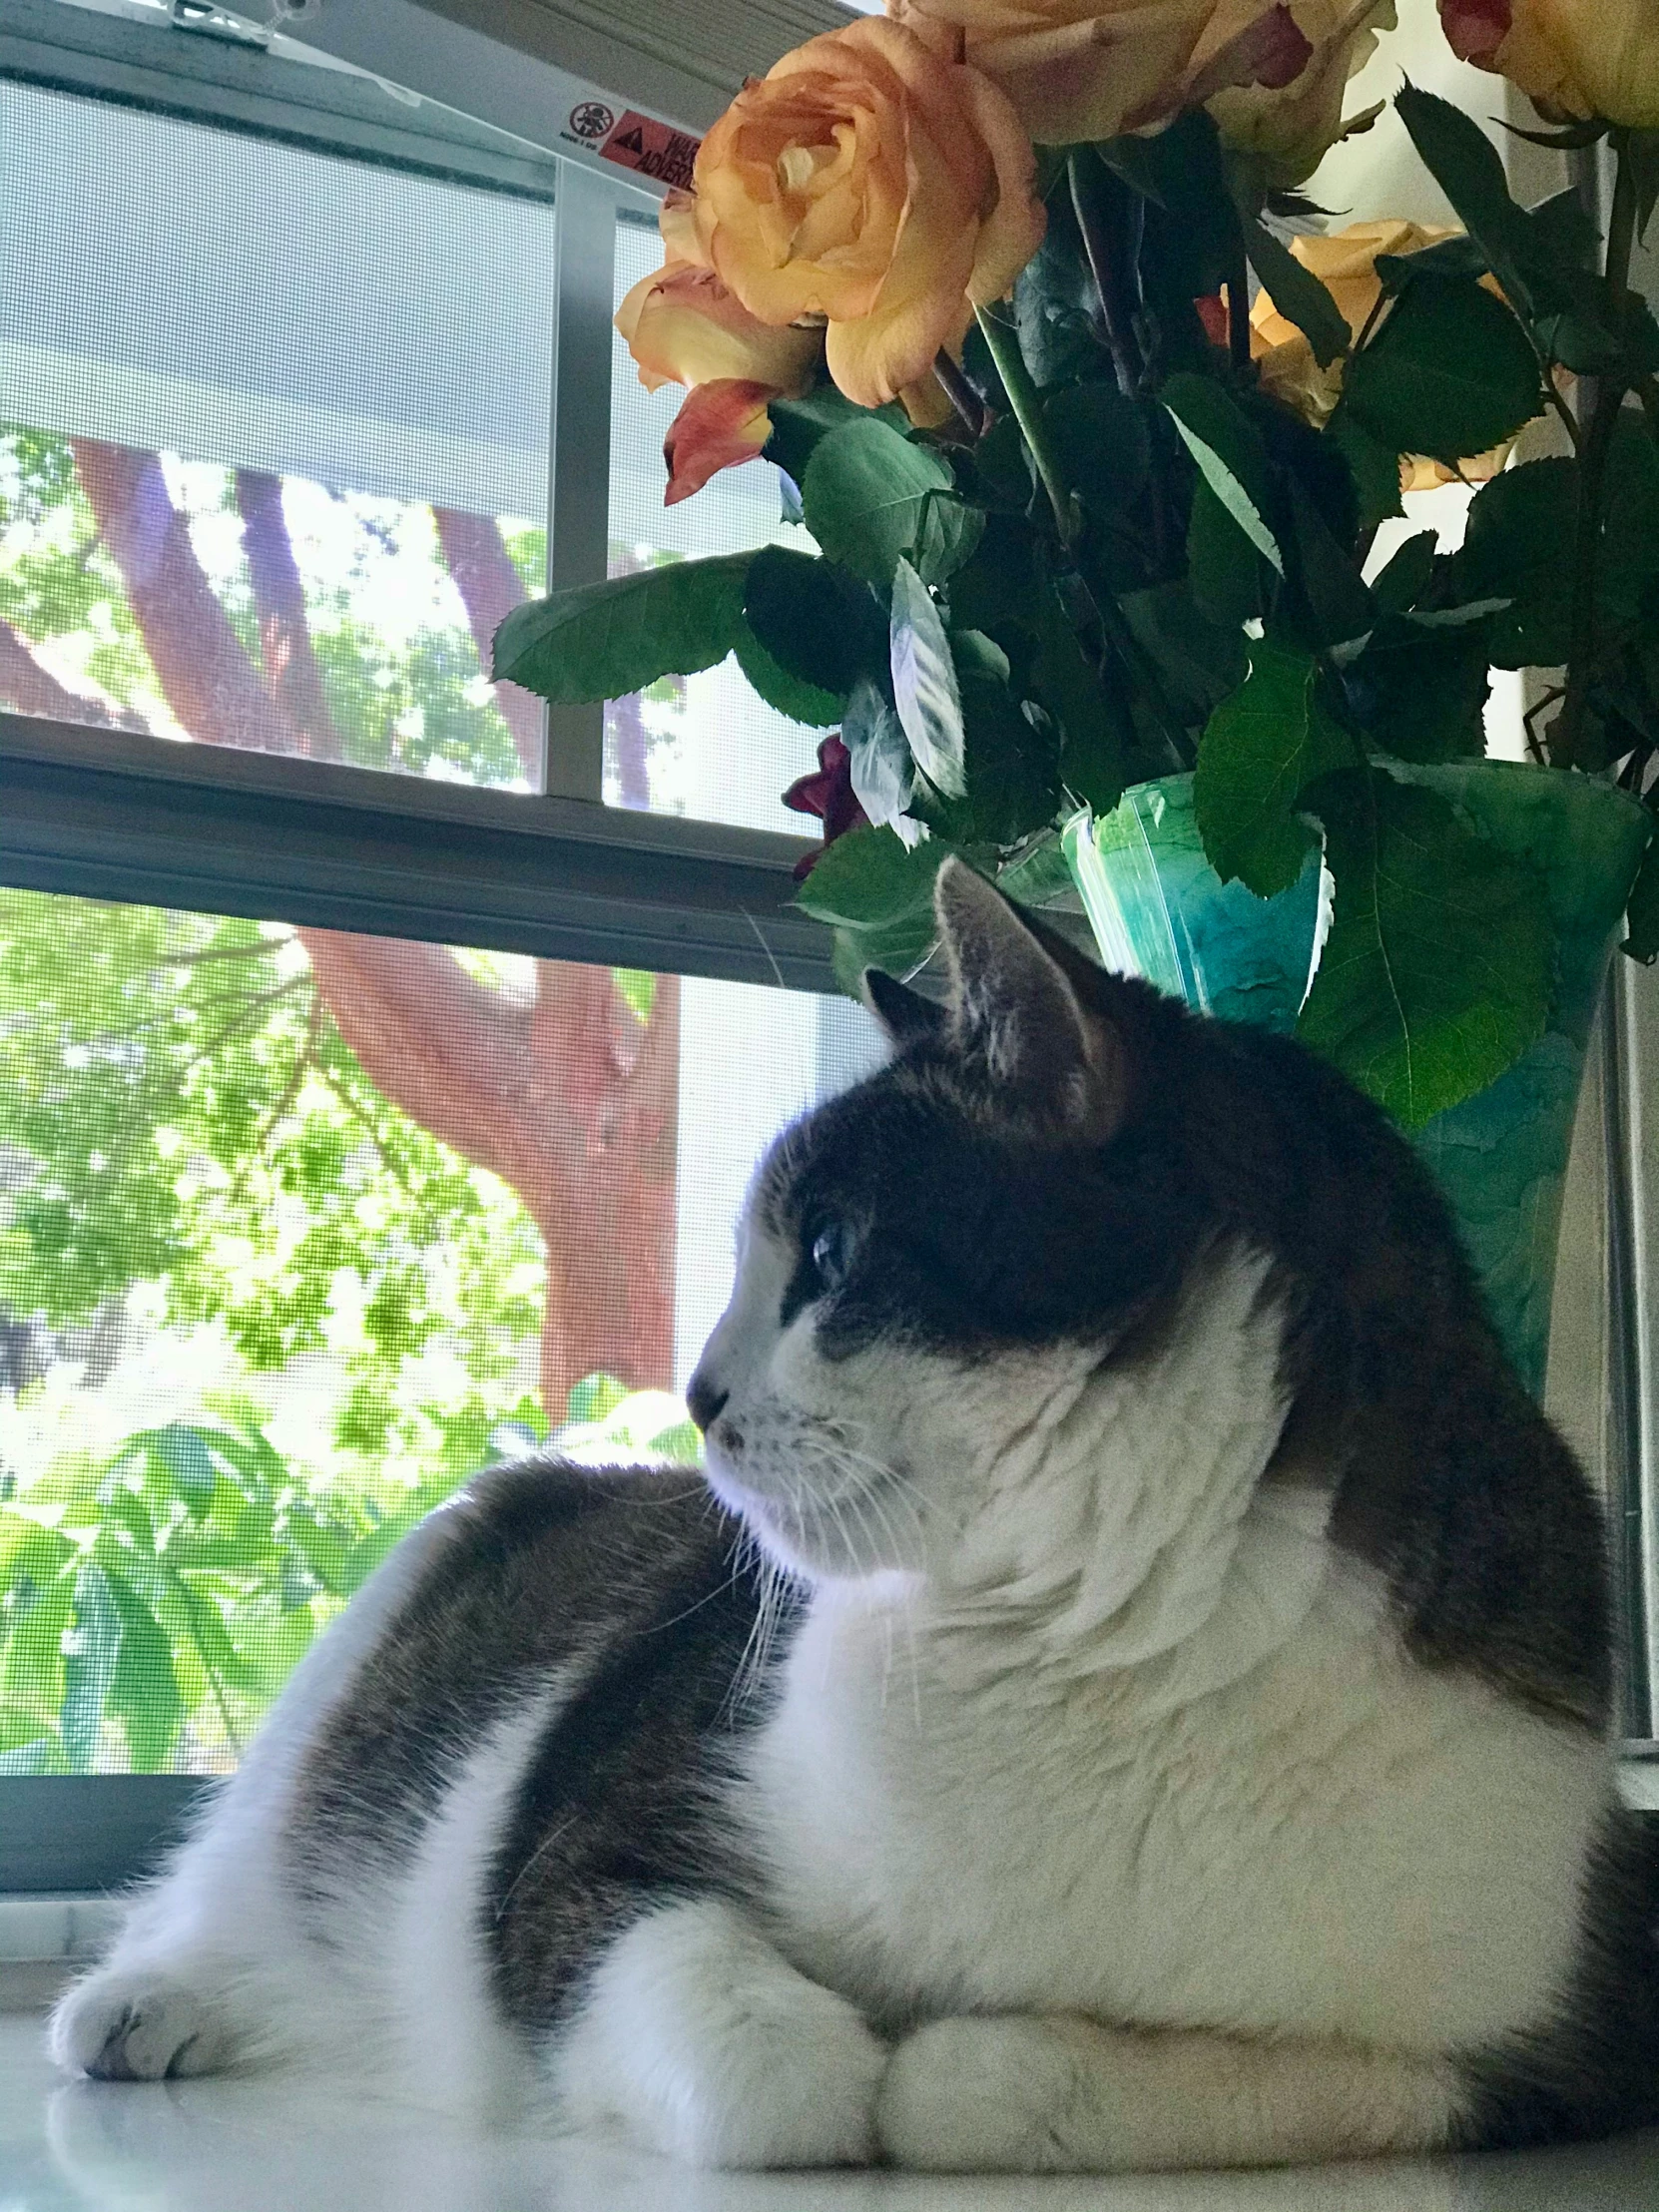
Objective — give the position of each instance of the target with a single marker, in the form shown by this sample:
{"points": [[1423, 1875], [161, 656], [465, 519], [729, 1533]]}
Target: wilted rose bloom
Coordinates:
{"points": [[684, 327], [1571, 57], [872, 185], [1090, 69], [1345, 264], [828, 794], [1287, 130]]}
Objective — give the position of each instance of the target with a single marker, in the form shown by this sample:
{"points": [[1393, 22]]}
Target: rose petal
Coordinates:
{"points": [[1475, 29], [720, 424]]}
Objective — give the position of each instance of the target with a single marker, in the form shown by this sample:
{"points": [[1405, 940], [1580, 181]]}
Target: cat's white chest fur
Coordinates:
{"points": [[1340, 1840]]}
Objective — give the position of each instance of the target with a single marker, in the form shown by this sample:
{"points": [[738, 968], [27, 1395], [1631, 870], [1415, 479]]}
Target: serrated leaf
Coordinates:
{"points": [[1437, 972], [1297, 294], [1420, 697], [1373, 463], [1453, 257], [1229, 456], [1231, 584], [781, 688], [1336, 597], [870, 879], [864, 494], [823, 627], [1469, 170], [1091, 736], [1259, 751], [89, 1667], [1641, 919], [602, 641], [1405, 577], [798, 427], [882, 770], [1516, 547], [1450, 373], [924, 687]]}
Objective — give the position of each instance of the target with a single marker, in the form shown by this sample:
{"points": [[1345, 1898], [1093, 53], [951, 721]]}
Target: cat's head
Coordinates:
{"points": [[1017, 1294]]}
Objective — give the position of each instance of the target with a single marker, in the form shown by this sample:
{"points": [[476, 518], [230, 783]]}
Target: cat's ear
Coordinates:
{"points": [[1016, 1007], [903, 1013]]}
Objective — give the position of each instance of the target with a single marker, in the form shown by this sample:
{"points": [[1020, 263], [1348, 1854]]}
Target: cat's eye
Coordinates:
{"points": [[832, 1254]]}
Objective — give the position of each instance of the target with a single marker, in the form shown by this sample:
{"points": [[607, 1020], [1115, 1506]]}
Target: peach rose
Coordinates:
{"points": [[1286, 130], [871, 183], [1345, 264], [1572, 57], [1090, 69], [684, 327]]}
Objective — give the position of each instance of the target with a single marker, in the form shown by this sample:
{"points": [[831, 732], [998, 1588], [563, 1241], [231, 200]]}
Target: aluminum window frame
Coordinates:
{"points": [[109, 814]]}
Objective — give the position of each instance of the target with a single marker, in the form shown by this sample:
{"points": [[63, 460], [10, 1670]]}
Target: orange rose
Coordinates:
{"points": [[684, 327], [871, 184], [1345, 264], [1091, 69], [1286, 130], [1573, 57]]}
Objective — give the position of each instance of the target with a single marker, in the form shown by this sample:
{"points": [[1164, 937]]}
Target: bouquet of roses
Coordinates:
{"points": [[1095, 449]]}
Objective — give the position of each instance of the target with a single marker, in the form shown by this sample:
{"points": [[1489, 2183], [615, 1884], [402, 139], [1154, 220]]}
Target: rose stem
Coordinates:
{"points": [[1028, 406], [1097, 244], [960, 394], [1604, 416], [1237, 298], [1003, 345]]}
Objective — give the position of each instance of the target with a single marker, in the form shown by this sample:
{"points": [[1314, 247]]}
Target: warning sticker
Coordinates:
{"points": [[654, 149]]}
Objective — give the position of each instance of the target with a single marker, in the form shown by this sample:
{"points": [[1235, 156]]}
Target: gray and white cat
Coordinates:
{"points": [[1148, 1710]]}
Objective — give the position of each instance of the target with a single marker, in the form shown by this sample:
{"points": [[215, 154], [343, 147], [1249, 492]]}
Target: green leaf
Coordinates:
{"points": [[798, 427], [1091, 748], [869, 877], [1517, 546], [182, 1453], [1199, 662], [925, 684], [1641, 920], [1259, 751], [1421, 696], [1437, 972], [864, 494], [602, 641], [1453, 257], [826, 629], [89, 1667], [1373, 463], [144, 1690], [1103, 435], [801, 701], [1469, 170], [1297, 294], [1335, 593], [1628, 572], [948, 538], [1449, 374], [1405, 578], [882, 770], [1230, 582], [1230, 456]]}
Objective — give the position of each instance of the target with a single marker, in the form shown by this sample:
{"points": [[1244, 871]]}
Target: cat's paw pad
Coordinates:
{"points": [[137, 2026], [980, 2096]]}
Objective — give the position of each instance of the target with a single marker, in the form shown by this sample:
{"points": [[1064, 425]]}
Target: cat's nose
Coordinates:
{"points": [[703, 1401]]}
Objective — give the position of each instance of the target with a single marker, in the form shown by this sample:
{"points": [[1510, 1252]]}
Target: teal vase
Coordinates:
{"points": [[1158, 909]]}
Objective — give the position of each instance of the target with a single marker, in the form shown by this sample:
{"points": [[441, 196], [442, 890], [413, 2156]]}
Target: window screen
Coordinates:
{"points": [[274, 434], [297, 1230], [701, 745]]}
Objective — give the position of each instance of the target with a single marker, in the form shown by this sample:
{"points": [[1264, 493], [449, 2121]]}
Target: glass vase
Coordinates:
{"points": [[1158, 909]]}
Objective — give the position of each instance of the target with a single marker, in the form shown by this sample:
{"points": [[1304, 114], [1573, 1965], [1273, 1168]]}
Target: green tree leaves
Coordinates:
{"points": [[1437, 971], [867, 496]]}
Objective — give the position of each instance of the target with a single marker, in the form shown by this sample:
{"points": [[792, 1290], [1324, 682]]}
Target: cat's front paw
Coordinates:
{"points": [[137, 2025], [703, 2044], [997, 2094]]}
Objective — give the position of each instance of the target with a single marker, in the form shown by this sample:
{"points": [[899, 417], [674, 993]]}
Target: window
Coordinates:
{"points": [[339, 1014]]}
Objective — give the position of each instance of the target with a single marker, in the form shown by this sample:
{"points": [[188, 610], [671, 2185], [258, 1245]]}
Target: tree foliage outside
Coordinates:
{"points": [[277, 1205]]}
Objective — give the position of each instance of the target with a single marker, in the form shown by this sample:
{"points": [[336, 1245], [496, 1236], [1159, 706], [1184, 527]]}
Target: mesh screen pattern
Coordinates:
{"points": [[272, 442], [297, 1231]]}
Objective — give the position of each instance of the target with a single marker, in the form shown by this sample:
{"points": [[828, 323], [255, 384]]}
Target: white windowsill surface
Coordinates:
{"points": [[251, 2146]]}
